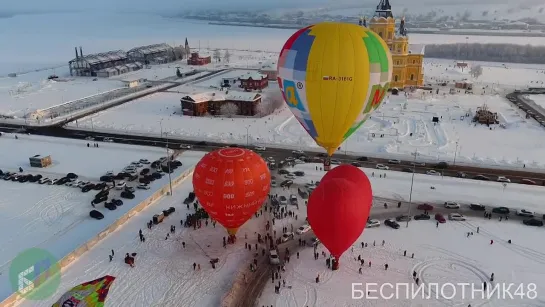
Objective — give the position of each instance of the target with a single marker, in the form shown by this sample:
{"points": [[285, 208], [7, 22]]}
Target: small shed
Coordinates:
{"points": [[40, 161]]}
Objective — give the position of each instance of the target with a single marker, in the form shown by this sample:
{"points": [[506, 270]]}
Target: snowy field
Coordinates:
{"points": [[397, 119], [30, 92], [499, 75], [156, 72], [56, 218], [163, 273], [70, 155], [441, 255]]}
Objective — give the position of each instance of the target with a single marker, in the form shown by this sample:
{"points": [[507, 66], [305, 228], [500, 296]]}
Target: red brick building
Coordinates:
{"points": [[213, 103], [253, 81], [195, 59]]}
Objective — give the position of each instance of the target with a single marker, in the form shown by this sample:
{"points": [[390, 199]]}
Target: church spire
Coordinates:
{"points": [[384, 9], [402, 28]]}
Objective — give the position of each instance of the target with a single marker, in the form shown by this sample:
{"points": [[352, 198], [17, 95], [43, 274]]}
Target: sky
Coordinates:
{"points": [[25, 6]]}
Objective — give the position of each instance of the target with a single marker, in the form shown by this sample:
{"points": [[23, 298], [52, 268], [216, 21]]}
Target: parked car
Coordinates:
{"points": [[382, 167], [184, 146], [391, 223], [440, 218], [461, 175], [289, 176], [286, 183], [456, 217], [407, 170], [273, 257], [129, 189], [503, 179], [356, 164], [303, 229], [283, 200], [528, 181], [273, 183], [481, 177], [421, 217], [418, 164], [260, 148], [441, 165], [501, 210], [533, 222], [525, 213], [293, 199], [283, 171], [362, 159], [433, 173], [477, 207], [452, 205], [143, 186], [425, 207], [394, 161], [299, 173], [287, 236], [372, 223], [298, 152], [120, 185], [403, 218]]}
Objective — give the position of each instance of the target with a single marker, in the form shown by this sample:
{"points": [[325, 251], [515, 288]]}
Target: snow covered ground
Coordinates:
{"points": [[164, 274], [155, 72], [397, 119], [30, 92], [441, 255], [56, 218], [70, 155]]}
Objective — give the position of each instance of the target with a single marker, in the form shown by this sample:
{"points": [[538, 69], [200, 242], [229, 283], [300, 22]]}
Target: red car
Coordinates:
{"points": [[425, 207], [440, 218]]}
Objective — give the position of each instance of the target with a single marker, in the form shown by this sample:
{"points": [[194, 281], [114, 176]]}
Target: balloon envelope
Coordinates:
{"points": [[91, 293], [337, 212], [354, 174], [231, 184], [333, 76]]}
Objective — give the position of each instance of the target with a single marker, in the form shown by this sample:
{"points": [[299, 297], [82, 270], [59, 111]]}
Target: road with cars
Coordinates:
{"points": [[470, 172]]}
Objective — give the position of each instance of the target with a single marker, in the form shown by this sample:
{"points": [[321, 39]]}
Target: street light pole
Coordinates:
{"points": [[247, 136], [412, 183], [455, 153], [169, 161]]}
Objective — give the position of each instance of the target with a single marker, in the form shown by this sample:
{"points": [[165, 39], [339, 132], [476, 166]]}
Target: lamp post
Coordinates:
{"points": [[169, 161], [455, 153], [247, 136], [412, 183]]}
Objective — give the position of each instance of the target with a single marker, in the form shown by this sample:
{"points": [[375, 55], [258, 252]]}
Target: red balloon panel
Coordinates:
{"points": [[231, 184]]}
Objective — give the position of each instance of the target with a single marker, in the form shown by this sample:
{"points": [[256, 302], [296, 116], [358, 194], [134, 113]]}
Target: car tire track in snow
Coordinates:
{"points": [[422, 267]]}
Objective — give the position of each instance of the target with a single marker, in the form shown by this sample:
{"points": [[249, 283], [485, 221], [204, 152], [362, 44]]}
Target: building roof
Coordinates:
{"points": [[105, 57], [151, 49], [221, 96], [417, 48], [253, 75], [109, 69]]}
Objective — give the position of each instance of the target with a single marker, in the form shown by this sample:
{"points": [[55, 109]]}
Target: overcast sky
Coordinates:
{"points": [[180, 5]]}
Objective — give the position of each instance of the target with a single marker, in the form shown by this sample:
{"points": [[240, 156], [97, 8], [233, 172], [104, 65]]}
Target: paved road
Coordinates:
{"points": [[279, 153]]}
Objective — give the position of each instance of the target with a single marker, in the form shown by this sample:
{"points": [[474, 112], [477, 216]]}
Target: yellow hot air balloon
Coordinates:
{"points": [[333, 76]]}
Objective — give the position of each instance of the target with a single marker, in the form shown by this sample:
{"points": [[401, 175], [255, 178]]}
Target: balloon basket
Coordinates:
{"points": [[335, 265], [327, 164]]}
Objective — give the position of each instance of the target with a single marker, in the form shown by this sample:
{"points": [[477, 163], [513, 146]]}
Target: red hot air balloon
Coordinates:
{"points": [[339, 207], [231, 184]]}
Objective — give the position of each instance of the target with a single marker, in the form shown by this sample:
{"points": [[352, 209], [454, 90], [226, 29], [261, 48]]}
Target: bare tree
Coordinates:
{"points": [[476, 71], [229, 109], [217, 55], [226, 56], [270, 101]]}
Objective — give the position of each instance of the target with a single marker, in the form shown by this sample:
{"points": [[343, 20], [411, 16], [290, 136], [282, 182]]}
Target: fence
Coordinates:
{"points": [[15, 299]]}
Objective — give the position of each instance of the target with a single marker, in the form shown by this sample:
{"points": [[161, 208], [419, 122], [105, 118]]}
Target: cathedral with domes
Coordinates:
{"points": [[408, 59]]}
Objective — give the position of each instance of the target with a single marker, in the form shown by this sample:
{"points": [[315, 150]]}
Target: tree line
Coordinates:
{"points": [[506, 53]]}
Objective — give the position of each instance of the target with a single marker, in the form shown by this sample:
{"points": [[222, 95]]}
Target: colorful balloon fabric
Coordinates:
{"points": [[90, 294], [231, 184], [333, 76], [339, 207]]}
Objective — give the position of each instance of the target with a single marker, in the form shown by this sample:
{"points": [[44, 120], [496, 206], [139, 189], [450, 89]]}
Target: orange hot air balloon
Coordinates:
{"points": [[339, 207], [231, 184]]}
